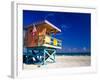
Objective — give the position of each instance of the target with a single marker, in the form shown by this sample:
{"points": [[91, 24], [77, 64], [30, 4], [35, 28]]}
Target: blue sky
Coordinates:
{"points": [[75, 27]]}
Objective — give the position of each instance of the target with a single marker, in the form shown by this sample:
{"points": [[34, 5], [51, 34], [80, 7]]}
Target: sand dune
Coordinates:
{"points": [[63, 62]]}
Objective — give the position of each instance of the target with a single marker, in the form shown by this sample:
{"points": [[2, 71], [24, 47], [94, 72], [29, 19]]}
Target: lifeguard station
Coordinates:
{"points": [[39, 45]]}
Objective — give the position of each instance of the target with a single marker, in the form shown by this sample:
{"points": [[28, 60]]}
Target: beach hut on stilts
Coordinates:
{"points": [[39, 45]]}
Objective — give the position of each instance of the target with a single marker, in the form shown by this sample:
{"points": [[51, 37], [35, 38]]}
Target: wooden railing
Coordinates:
{"points": [[49, 40]]}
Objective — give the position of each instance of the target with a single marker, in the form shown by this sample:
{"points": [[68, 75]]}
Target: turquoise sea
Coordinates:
{"points": [[75, 54]]}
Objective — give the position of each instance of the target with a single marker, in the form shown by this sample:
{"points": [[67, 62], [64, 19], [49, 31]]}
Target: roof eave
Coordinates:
{"points": [[46, 21]]}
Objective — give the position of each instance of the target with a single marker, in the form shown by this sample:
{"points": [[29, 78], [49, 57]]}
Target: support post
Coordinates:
{"points": [[42, 55]]}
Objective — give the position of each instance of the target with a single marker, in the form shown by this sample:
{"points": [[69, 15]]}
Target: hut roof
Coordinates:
{"points": [[46, 24]]}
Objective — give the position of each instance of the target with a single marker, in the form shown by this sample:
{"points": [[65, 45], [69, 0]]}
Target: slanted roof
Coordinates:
{"points": [[51, 26], [46, 24]]}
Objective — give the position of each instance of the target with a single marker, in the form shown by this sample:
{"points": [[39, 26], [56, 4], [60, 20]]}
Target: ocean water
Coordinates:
{"points": [[75, 54]]}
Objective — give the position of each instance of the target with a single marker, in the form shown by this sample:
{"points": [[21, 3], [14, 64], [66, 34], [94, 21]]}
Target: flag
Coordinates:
{"points": [[34, 30]]}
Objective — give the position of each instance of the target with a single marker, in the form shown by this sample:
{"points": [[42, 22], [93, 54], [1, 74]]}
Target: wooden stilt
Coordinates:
{"points": [[42, 55]]}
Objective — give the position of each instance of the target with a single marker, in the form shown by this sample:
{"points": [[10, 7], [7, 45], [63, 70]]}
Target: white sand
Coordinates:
{"points": [[63, 62]]}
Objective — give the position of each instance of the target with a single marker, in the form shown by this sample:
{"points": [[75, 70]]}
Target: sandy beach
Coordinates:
{"points": [[63, 62]]}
